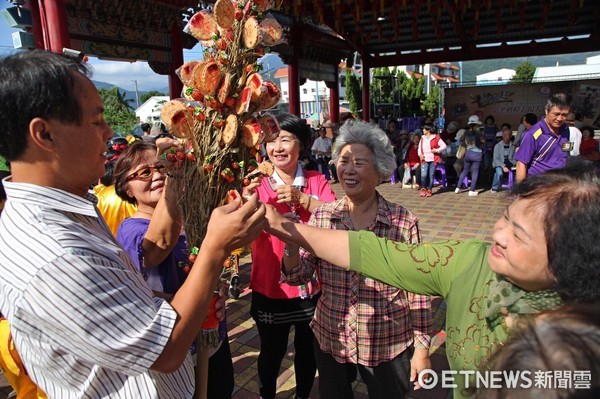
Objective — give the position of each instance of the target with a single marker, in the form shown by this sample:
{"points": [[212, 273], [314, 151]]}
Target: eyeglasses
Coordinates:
{"points": [[146, 173]]}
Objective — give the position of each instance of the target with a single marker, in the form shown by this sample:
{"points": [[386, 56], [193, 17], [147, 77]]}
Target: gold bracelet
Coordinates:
{"points": [[307, 207]]}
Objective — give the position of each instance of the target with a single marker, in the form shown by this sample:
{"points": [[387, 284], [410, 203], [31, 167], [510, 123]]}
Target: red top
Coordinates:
{"points": [[412, 155], [267, 250], [588, 146]]}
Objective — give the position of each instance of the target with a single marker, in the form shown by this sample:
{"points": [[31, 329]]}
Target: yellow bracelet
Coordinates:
{"points": [[307, 207]]}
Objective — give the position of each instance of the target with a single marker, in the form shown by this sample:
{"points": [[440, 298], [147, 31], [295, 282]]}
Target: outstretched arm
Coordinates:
{"points": [[319, 242]]}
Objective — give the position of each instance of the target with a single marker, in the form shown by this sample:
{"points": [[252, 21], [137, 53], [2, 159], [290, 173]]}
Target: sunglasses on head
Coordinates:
{"points": [[146, 172]]}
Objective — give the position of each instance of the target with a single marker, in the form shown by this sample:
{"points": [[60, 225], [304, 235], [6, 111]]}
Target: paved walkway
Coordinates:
{"points": [[445, 215]]}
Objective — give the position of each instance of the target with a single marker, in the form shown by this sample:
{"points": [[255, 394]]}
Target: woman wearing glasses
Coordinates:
{"points": [[154, 239]]}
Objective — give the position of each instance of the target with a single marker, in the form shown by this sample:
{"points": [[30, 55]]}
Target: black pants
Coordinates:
{"points": [[273, 346], [322, 164], [386, 380], [220, 373]]}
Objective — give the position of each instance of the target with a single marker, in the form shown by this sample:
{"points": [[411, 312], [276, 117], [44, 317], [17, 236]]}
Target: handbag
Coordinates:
{"points": [[461, 151]]}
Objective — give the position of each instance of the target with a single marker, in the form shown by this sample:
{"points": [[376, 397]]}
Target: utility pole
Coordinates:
{"points": [[137, 95]]}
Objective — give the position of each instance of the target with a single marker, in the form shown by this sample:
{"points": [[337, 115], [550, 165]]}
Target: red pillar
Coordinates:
{"points": [[54, 22], [36, 23], [366, 101], [175, 84], [293, 75], [334, 99]]}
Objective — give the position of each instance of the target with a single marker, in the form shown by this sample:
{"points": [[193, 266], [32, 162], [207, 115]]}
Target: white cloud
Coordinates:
{"points": [[122, 74]]}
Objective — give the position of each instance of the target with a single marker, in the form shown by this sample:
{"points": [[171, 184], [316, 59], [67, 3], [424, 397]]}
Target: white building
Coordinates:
{"points": [[499, 76], [149, 112], [591, 69]]}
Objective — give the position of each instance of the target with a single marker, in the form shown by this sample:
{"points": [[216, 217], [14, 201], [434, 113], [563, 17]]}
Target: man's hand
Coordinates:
{"points": [[232, 226]]}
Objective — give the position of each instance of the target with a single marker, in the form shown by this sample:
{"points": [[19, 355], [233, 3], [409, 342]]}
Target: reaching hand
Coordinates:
{"points": [[231, 226]]}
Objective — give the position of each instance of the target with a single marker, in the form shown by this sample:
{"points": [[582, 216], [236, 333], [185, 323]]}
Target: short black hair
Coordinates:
{"points": [[570, 202], [558, 100], [297, 126], [145, 127], [530, 118], [35, 84]]}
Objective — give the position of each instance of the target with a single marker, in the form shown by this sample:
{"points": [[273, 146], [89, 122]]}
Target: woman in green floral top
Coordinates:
{"points": [[537, 260]]}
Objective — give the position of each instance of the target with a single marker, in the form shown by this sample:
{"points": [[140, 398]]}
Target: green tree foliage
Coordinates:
{"points": [[410, 87], [353, 91], [432, 101], [146, 96], [524, 73], [118, 111]]}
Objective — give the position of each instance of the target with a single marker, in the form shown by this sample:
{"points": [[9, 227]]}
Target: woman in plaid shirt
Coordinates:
{"points": [[361, 324]]}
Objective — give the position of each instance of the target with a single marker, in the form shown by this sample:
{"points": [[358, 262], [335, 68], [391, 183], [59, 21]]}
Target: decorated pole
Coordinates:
{"points": [[221, 124]]}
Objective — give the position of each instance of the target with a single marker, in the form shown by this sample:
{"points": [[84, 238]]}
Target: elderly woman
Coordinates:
{"points": [[536, 260], [154, 239], [362, 324], [276, 305]]}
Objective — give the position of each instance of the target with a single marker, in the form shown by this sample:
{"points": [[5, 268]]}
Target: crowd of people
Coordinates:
{"points": [[94, 310]]}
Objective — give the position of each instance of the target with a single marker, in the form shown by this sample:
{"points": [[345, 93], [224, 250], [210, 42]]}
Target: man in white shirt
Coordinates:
{"points": [[83, 319], [321, 149], [574, 135]]}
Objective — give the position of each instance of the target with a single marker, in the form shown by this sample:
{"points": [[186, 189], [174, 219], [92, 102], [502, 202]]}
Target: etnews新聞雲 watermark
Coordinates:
{"points": [[556, 379]]}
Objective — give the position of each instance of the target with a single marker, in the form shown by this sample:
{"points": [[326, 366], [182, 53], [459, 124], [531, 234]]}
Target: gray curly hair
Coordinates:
{"points": [[375, 139]]}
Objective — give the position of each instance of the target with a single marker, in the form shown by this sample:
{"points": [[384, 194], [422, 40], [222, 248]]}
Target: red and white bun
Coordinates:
{"points": [[266, 168], [272, 31], [252, 34], [270, 95], [206, 77], [255, 82], [178, 118], [270, 127], [243, 101], [203, 26], [225, 88], [224, 13], [252, 133], [185, 71], [230, 130]]}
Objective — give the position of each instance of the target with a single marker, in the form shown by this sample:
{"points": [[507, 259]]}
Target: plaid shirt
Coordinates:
{"points": [[359, 320]]}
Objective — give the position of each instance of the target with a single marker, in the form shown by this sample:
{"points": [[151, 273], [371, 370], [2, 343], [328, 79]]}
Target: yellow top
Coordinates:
{"points": [[14, 371], [112, 207]]}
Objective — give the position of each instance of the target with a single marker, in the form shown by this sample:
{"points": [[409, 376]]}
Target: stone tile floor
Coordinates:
{"points": [[444, 215]]}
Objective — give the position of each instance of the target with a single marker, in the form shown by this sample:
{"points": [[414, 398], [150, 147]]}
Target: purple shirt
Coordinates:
{"points": [[541, 150], [167, 276]]}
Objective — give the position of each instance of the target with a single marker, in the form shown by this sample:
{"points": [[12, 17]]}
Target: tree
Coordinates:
{"points": [[524, 73], [118, 111], [430, 105], [353, 91], [146, 96]]}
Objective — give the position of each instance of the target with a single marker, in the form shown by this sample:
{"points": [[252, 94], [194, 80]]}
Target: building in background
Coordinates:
{"points": [[497, 77], [149, 112]]}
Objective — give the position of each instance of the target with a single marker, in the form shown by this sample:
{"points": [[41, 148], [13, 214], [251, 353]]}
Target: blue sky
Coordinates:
{"points": [[118, 73]]}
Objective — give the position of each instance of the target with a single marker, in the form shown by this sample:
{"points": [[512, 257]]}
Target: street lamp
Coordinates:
{"points": [[137, 96]]}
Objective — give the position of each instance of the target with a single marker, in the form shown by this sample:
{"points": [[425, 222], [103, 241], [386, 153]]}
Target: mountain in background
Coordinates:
{"points": [[129, 94], [473, 68]]}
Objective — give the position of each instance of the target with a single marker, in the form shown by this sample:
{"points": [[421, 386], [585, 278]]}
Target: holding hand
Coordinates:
{"points": [[231, 226]]}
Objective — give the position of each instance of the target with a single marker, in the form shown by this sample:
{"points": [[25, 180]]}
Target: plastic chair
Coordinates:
{"points": [[510, 180], [441, 168]]}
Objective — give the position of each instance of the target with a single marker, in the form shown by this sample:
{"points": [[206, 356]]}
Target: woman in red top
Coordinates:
{"points": [[276, 306], [588, 149], [413, 161]]}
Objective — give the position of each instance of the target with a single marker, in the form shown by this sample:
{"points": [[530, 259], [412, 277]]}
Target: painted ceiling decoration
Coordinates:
{"points": [[384, 32]]}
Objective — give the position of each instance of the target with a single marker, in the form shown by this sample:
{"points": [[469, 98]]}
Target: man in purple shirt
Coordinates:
{"points": [[545, 146]]}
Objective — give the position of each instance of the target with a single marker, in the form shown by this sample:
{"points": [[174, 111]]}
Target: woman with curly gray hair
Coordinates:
{"points": [[362, 325]]}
